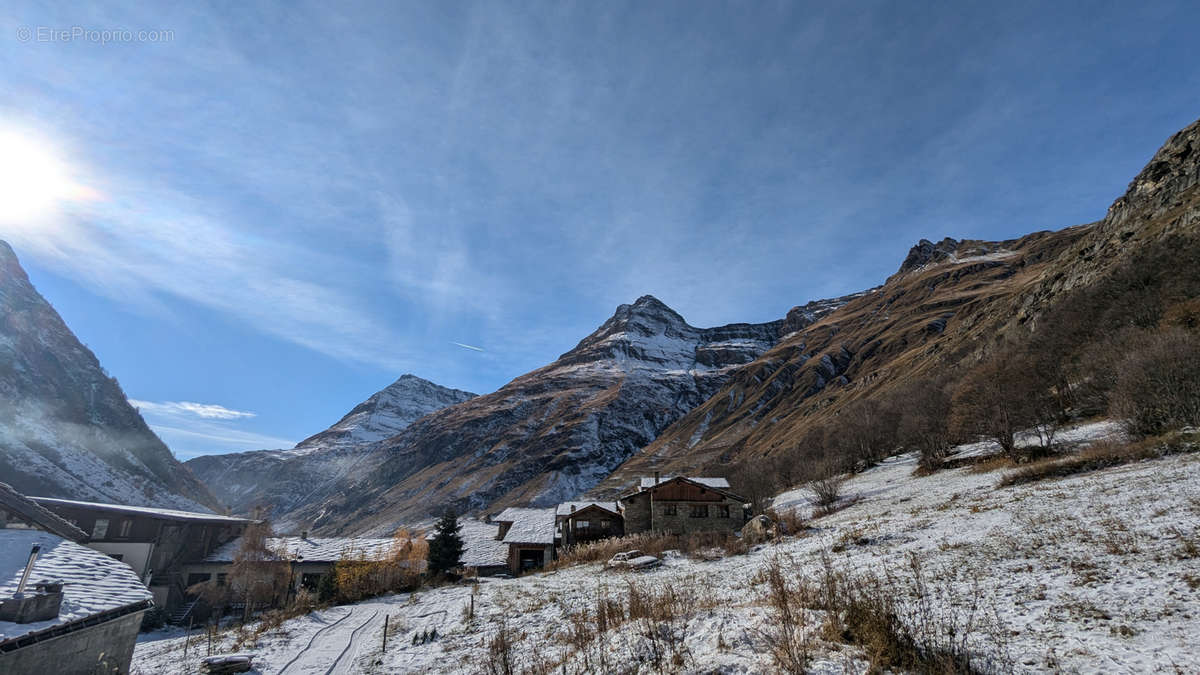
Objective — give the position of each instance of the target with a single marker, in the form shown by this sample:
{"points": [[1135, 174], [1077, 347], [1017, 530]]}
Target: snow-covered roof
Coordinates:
{"points": [[529, 526], [480, 546], [564, 509], [717, 483], [92, 581], [38, 516], [165, 514], [321, 549]]}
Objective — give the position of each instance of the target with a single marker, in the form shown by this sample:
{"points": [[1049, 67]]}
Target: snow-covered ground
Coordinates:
{"points": [[1091, 573]]}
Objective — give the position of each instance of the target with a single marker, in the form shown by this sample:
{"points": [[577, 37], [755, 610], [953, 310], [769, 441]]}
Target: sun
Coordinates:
{"points": [[34, 180]]}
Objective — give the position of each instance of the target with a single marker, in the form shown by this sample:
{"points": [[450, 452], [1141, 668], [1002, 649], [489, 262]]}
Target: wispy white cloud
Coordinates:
{"points": [[188, 408], [192, 429]]}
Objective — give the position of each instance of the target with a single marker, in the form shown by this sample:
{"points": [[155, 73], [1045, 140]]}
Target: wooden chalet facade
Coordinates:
{"points": [[581, 522]]}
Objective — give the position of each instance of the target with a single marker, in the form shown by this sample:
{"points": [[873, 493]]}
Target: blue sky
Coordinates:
{"points": [[279, 209]]}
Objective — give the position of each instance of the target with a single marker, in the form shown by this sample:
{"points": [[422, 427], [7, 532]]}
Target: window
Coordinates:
{"points": [[100, 529], [699, 511], [221, 578], [126, 527], [670, 510], [582, 524], [723, 511]]}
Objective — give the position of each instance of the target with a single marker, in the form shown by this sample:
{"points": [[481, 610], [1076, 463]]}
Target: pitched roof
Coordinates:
{"points": [[322, 549], [712, 482], [163, 514], [480, 546], [93, 583], [31, 512], [564, 509], [530, 526]]}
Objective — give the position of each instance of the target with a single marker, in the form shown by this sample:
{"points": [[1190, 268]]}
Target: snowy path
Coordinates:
{"points": [[328, 648]]}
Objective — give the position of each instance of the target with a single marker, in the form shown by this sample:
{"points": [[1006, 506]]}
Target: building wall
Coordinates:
{"points": [[136, 555], [601, 525], [638, 517], [637, 512], [514, 555], [104, 648], [682, 521]]}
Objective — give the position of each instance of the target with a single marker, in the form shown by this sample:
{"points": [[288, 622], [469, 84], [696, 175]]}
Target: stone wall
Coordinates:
{"points": [[104, 648], [637, 516]]}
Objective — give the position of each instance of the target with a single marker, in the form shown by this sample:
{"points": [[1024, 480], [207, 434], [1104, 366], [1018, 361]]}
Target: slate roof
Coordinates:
{"points": [[564, 509], [717, 483], [164, 514], [38, 516], [480, 546], [529, 526], [93, 583], [322, 549]]}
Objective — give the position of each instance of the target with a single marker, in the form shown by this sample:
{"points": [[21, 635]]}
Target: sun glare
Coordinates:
{"points": [[33, 179]]}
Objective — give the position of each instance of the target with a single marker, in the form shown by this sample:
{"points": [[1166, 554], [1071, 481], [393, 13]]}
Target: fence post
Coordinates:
{"points": [[385, 627]]}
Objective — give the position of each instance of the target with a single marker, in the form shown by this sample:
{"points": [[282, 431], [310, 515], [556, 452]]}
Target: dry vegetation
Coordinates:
{"points": [[700, 545], [890, 616], [1102, 455]]}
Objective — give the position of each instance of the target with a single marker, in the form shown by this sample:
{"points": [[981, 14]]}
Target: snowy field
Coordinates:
{"points": [[1092, 573]]}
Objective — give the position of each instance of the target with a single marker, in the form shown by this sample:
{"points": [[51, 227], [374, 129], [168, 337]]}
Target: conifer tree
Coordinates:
{"points": [[446, 547]]}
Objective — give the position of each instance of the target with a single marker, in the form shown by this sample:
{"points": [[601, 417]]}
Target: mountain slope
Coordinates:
{"points": [[66, 428], [284, 479], [557, 431], [948, 303]]}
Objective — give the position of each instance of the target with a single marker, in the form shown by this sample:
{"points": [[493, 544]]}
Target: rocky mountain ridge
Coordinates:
{"points": [[278, 481], [66, 428], [557, 431]]}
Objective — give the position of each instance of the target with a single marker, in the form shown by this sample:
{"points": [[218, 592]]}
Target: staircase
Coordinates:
{"points": [[181, 614]]}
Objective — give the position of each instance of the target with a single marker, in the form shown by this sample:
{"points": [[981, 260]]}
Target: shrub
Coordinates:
{"points": [[1100, 455], [1158, 386], [827, 489], [890, 616], [700, 544]]}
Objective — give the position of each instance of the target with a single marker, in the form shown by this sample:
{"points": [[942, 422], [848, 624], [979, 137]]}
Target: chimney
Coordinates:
{"points": [[572, 508], [33, 556], [656, 478], [42, 605], [304, 535]]}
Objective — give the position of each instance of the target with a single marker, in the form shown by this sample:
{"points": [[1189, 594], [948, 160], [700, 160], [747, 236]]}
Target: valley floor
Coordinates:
{"points": [[1092, 573]]}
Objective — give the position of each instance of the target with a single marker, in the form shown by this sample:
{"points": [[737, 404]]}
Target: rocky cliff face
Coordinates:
{"points": [[66, 428], [557, 431], [278, 481]]}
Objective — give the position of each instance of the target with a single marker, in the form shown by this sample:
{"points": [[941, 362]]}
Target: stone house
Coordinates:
{"points": [[156, 543], [682, 505], [64, 608], [580, 522], [530, 536]]}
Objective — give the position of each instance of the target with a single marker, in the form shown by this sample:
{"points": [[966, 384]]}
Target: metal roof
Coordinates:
{"points": [[164, 514], [30, 511]]}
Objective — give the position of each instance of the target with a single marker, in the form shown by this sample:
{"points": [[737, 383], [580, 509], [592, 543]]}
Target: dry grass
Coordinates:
{"points": [[890, 617], [1102, 455], [700, 545]]}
